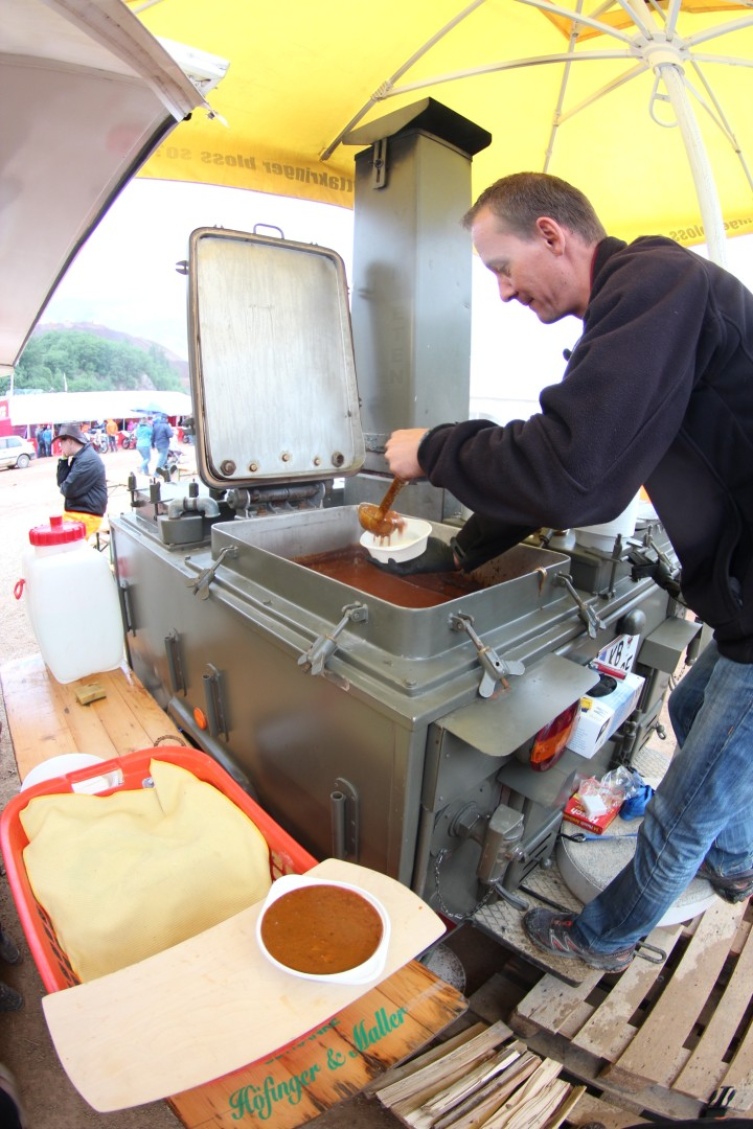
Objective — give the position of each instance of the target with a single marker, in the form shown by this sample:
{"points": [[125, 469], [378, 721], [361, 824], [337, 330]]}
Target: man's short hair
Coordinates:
{"points": [[522, 198]]}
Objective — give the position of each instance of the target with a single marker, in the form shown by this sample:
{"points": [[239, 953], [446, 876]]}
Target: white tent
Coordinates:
{"points": [[61, 407]]}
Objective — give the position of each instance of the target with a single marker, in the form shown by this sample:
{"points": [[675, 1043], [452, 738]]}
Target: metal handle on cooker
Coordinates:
{"points": [[213, 702], [125, 595], [174, 663]]}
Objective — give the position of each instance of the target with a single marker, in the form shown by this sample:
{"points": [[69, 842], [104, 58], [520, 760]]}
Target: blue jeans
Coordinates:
{"points": [[145, 453], [703, 808], [161, 457]]}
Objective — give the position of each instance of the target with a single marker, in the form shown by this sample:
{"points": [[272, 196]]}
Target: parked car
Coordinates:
{"points": [[15, 451]]}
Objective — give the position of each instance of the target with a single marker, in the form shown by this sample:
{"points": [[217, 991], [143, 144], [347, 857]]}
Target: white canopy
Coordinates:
{"points": [[62, 407]]}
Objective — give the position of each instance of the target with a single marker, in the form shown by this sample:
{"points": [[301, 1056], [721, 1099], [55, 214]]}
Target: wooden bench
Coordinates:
{"points": [[324, 1066]]}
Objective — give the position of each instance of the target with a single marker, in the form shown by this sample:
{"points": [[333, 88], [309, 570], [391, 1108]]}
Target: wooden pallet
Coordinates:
{"points": [[659, 1038], [591, 1108]]}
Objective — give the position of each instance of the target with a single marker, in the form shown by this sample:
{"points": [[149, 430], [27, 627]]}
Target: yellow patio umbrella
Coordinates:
{"points": [[643, 105]]}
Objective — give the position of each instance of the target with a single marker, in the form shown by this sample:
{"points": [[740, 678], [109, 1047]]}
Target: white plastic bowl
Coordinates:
{"points": [[403, 545], [71, 762], [362, 973]]}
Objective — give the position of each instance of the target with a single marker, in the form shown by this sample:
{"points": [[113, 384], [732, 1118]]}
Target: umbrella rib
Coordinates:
{"points": [[609, 88], [492, 68], [386, 86], [554, 10], [672, 16], [640, 18], [726, 60], [717, 115], [573, 39], [714, 33], [389, 90]]}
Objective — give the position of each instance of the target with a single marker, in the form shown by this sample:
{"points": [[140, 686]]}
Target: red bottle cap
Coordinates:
{"points": [[58, 532]]}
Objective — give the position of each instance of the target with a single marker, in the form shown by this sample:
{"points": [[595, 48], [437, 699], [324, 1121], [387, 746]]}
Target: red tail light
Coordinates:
{"points": [[550, 742]]}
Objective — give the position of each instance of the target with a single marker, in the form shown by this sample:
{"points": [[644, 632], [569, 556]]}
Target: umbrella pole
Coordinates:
{"points": [[711, 213]]}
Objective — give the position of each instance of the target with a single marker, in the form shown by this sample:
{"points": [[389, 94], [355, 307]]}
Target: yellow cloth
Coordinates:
{"points": [[91, 521], [126, 875]]}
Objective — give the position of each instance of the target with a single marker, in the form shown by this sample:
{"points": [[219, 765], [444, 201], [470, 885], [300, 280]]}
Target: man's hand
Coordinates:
{"points": [[62, 471], [438, 556], [401, 452]]}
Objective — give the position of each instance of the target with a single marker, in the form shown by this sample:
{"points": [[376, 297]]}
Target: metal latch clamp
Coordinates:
{"points": [[324, 646], [200, 586], [587, 613], [495, 669]]}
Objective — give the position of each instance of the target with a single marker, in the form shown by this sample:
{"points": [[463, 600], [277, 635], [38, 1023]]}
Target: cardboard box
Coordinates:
{"points": [[601, 717], [575, 813]]}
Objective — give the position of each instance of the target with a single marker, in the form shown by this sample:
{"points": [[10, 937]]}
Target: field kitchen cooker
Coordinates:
{"points": [[384, 720]]}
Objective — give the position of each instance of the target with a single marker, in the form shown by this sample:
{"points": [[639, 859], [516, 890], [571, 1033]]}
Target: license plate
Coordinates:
{"points": [[620, 653]]}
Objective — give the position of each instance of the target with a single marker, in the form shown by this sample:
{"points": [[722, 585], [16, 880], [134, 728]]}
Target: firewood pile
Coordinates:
{"points": [[483, 1078]]}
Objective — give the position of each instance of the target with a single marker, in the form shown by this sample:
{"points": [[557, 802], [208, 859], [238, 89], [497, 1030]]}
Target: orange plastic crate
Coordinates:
{"points": [[285, 855]]}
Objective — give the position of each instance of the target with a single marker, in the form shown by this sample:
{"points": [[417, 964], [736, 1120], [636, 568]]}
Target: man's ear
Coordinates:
{"points": [[552, 234]]}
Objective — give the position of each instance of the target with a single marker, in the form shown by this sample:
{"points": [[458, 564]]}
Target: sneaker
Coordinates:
{"points": [[8, 951], [734, 889], [10, 999], [552, 932]]}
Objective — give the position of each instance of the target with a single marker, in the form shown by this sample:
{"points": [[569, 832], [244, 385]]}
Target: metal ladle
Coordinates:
{"points": [[381, 520]]}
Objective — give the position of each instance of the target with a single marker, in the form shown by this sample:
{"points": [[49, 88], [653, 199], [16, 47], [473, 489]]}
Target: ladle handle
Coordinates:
{"points": [[386, 503]]}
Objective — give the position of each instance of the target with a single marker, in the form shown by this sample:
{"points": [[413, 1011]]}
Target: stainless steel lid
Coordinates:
{"points": [[271, 359]]}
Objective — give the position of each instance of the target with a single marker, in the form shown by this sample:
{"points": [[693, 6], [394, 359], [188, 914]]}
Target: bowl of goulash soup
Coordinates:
{"points": [[322, 930]]}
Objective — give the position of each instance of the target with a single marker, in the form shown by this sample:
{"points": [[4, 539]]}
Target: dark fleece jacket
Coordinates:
{"points": [[83, 482], [658, 392]]}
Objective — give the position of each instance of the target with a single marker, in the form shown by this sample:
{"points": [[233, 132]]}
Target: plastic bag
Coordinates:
{"points": [[626, 780]]}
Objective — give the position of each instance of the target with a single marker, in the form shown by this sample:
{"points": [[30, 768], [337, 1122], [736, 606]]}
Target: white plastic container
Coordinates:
{"points": [[604, 536], [72, 601], [401, 545]]}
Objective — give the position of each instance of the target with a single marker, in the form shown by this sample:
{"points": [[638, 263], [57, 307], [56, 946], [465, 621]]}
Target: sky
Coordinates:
{"points": [[125, 278]]}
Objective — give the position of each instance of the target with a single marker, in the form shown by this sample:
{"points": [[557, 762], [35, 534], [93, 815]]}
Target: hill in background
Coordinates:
{"points": [[176, 362], [86, 357]]}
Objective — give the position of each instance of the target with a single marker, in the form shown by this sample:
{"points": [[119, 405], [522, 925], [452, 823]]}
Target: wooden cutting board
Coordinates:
{"points": [[211, 1004]]}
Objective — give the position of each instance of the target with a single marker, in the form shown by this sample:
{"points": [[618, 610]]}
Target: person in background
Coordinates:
{"points": [[47, 439], [144, 437], [111, 430], [657, 391], [81, 478], [39, 436], [163, 433], [189, 429]]}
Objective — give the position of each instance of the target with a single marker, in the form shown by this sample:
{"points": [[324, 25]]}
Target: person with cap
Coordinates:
{"points": [[658, 391], [81, 478]]}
